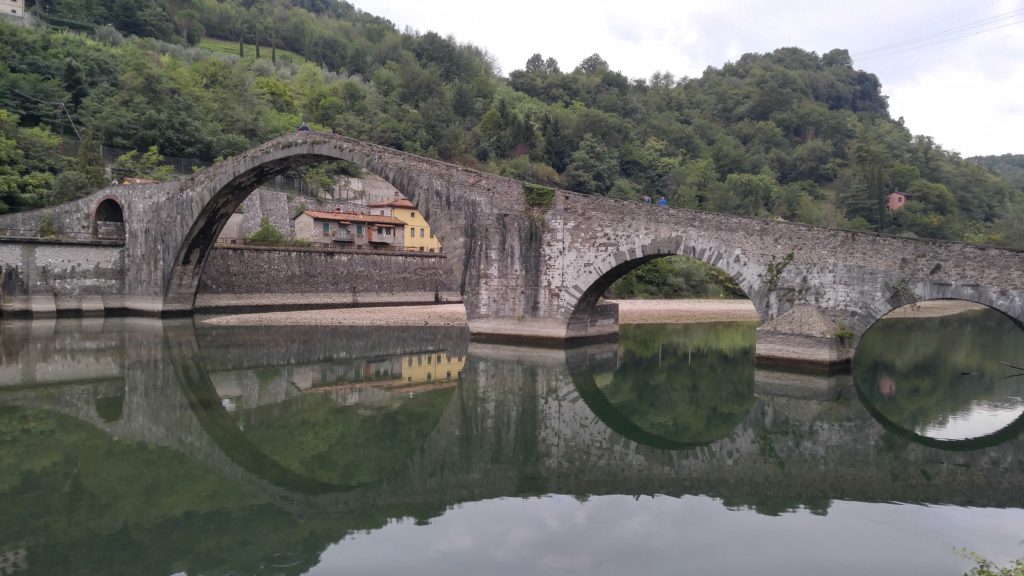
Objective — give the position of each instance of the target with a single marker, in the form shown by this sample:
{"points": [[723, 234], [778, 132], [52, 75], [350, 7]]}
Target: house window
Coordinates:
{"points": [[431, 233], [421, 232], [359, 229], [412, 232], [327, 228]]}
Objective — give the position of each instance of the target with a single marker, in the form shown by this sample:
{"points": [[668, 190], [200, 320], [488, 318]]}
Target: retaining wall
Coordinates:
{"points": [[240, 278]]}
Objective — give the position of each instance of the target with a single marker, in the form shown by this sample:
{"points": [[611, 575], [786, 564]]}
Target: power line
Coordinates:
{"points": [[62, 107], [937, 42], [967, 30], [962, 28]]}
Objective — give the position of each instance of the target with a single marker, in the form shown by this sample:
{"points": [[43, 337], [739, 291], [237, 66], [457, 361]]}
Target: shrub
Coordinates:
{"points": [[47, 229], [267, 234]]}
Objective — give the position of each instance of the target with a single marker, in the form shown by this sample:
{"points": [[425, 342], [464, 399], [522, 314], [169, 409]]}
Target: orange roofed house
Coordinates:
{"points": [[370, 231]]}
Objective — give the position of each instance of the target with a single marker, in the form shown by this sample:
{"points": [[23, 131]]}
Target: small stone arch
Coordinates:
{"points": [[109, 408], [589, 289], [108, 219], [910, 293]]}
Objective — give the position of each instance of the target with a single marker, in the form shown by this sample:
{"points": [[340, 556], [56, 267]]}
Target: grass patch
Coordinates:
{"points": [[229, 47], [538, 196]]}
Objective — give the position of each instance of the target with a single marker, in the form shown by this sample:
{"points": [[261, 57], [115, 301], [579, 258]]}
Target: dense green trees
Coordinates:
{"points": [[676, 277], [788, 134]]}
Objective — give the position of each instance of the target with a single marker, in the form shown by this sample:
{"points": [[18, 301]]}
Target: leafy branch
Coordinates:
{"points": [[774, 271]]}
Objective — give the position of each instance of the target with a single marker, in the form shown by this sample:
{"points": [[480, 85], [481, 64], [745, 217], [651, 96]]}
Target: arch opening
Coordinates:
{"points": [[108, 220], [666, 276], [942, 371], [301, 224], [687, 381]]}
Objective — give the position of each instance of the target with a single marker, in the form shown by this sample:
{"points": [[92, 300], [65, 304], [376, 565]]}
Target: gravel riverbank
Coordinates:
{"points": [[630, 312]]}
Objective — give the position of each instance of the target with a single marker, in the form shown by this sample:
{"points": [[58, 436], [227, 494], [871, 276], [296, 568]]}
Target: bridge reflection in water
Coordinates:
{"points": [[136, 446]]}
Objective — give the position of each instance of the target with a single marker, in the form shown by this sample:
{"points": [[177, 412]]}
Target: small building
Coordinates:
{"points": [[15, 8], [418, 236], [896, 200], [371, 231]]}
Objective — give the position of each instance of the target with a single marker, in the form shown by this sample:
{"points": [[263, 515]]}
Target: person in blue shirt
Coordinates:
{"points": [[662, 201]]}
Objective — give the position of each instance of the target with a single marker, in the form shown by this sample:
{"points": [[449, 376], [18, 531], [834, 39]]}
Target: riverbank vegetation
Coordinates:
{"points": [[789, 134], [676, 277]]}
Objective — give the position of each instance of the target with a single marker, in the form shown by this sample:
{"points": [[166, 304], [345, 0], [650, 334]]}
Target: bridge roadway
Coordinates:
{"points": [[520, 421], [530, 265]]}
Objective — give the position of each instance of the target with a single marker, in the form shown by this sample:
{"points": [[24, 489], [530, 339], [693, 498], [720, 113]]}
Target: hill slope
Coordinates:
{"points": [[789, 134]]}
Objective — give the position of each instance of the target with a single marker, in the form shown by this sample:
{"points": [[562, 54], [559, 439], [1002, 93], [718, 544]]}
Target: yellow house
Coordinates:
{"points": [[418, 236], [431, 367], [407, 375]]}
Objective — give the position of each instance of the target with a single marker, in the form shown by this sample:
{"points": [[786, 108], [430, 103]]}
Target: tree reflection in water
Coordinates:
{"points": [[943, 377], [679, 385]]}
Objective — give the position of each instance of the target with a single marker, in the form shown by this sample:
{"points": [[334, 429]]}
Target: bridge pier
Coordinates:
{"points": [[600, 323], [804, 336]]}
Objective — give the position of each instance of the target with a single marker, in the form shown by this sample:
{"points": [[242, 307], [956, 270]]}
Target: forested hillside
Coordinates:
{"points": [[1009, 166], [790, 134]]}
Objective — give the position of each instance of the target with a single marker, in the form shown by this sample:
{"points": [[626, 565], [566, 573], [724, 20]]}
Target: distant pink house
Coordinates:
{"points": [[896, 200]]}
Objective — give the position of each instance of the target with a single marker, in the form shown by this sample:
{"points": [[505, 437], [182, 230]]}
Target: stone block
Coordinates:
{"points": [[43, 306]]}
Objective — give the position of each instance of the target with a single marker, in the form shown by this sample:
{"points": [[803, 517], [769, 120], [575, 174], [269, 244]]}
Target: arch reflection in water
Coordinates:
{"points": [[675, 386], [337, 406], [936, 370]]}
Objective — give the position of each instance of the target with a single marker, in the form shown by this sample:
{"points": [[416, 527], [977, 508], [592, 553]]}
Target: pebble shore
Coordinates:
{"points": [[630, 312]]}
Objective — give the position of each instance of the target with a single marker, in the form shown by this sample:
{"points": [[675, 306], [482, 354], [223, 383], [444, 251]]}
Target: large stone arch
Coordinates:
{"points": [[583, 298], [220, 190]]}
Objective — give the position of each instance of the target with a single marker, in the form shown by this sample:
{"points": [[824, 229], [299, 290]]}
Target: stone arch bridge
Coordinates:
{"points": [[531, 262]]}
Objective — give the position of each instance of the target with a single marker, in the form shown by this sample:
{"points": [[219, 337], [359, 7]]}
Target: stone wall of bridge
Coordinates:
{"points": [[539, 271], [808, 282], [43, 278]]}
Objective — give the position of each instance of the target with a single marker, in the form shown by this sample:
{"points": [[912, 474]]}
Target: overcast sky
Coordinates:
{"points": [[953, 69]]}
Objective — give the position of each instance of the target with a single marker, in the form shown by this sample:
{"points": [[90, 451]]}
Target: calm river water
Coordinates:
{"points": [[132, 446]]}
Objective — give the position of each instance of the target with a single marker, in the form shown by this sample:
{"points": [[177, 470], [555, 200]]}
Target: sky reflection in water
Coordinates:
{"points": [[944, 377]]}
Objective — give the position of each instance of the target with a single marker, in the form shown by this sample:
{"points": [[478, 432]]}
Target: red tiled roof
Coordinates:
{"points": [[349, 217], [396, 203]]}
